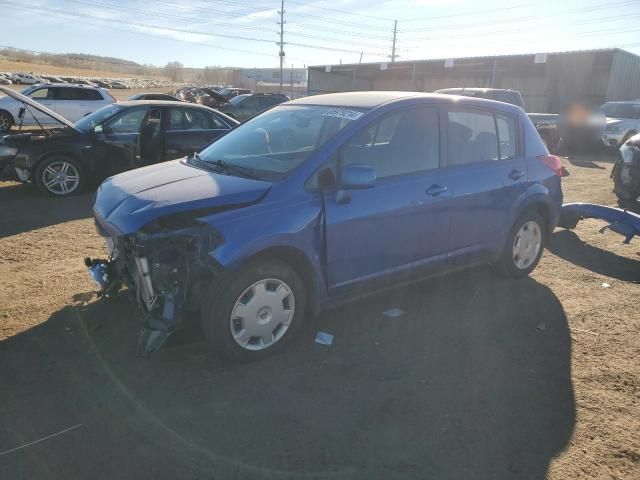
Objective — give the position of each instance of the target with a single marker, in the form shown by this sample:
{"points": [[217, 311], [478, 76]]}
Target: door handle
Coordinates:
{"points": [[516, 174], [435, 190]]}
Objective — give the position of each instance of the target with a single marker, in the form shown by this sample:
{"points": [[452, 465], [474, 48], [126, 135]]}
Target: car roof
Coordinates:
{"points": [[474, 89], [66, 85], [159, 103], [374, 99]]}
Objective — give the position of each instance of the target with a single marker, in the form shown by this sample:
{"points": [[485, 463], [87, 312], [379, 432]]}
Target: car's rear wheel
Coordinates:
{"points": [[6, 121], [254, 313], [59, 176], [524, 246]]}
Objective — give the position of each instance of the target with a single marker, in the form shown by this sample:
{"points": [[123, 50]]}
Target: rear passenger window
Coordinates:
{"points": [[471, 137], [64, 93], [88, 95], [507, 136], [399, 143], [192, 119]]}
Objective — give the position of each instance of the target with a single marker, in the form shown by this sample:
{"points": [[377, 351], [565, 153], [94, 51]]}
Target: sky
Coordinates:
{"points": [[244, 33]]}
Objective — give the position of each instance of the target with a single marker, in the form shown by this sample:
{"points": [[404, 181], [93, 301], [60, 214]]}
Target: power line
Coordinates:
{"points": [[449, 27], [466, 14], [194, 32], [163, 15], [613, 31], [147, 34], [510, 30]]}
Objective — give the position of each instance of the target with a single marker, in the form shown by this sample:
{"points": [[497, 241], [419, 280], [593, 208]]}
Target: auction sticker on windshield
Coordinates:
{"points": [[343, 113]]}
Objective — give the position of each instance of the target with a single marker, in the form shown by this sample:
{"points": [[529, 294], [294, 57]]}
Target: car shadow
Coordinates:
{"points": [[585, 163], [17, 198], [473, 380], [567, 245]]}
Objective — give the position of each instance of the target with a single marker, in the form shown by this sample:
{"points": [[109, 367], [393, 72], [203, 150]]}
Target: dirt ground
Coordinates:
{"points": [[482, 378]]}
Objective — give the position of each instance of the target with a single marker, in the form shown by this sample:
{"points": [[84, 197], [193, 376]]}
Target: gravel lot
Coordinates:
{"points": [[481, 379]]}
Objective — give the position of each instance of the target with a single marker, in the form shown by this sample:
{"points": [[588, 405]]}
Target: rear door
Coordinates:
{"points": [[67, 103], [400, 223], [88, 100], [188, 130], [485, 172]]}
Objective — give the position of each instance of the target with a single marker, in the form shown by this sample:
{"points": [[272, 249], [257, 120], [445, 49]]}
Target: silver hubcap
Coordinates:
{"points": [[526, 245], [60, 178], [262, 314]]}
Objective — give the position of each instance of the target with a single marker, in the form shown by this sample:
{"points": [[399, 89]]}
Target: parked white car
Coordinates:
{"points": [[25, 78], [623, 122], [70, 101]]}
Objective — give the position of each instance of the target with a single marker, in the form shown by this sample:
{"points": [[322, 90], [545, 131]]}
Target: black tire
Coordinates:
{"points": [[39, 173], [6, 121], [218, 306], [506, 265]]}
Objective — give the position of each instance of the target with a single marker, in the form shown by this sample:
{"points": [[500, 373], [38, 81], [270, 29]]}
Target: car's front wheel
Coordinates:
{"points": [[6, 122], [59, 176], [524, 246], [255, 312]]}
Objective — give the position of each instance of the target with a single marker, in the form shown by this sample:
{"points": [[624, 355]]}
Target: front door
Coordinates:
{"points": [[400, 223], [44, 96], [117, 146]]}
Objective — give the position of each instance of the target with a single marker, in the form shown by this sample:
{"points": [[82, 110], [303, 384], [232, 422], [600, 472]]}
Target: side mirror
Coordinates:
{"points": [[98, 129], [358, 176]]}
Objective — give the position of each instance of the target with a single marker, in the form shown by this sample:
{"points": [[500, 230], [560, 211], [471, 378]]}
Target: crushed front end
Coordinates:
{"points": [[165, 268], [626, 171]]}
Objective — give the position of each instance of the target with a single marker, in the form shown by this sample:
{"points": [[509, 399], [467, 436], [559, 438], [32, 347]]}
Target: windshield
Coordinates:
{"points": [[236, 100], [96, 118], [622, 110], [274, 143]]}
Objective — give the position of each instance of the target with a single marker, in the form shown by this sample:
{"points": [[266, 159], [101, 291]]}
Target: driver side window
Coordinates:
{"points": [[400, 143], [128, 122]]}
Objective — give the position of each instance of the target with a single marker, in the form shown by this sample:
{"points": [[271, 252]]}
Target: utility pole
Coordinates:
{"points": [[281, 12], [393, 48]]}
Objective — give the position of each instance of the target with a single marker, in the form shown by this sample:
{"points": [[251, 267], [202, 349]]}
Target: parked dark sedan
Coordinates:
{"points": [[244, 107], [115, 138]]}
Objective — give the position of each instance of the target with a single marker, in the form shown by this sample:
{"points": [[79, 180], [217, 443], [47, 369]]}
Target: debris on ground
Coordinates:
{"points": [[541, 327], [394, 312], [605, 285], [324, 338]]}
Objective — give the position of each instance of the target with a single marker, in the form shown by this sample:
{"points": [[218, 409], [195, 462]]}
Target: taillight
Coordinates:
{"points": [[553, 162]]}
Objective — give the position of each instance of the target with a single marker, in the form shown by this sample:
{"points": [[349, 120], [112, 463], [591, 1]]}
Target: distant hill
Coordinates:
{"points": [[81, 61]]}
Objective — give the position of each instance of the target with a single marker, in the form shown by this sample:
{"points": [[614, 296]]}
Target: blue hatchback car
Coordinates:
{"points": [[321, 199]]}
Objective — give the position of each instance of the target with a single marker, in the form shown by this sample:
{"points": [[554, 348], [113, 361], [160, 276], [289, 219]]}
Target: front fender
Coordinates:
{"points": [[292, 227]]}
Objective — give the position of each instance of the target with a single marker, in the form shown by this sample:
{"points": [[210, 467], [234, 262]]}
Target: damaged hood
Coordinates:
{"points": [[41, 108], [126, 202]]}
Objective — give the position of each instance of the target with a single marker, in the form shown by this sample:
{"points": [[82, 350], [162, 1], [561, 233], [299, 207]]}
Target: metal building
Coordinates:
{"points": [[547, 81]]}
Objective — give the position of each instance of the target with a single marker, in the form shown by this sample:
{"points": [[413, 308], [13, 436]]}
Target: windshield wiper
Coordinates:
{"points": [[231, 168]]}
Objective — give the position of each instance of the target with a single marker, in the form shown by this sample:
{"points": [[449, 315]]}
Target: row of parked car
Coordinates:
{"points": [[8, 78]]}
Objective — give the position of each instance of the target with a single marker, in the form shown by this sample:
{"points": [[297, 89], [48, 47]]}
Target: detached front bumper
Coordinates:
{"points": [[165, 273]]}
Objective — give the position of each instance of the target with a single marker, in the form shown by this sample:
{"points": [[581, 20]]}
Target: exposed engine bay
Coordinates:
{"points": [[164, 270]]}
